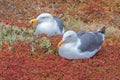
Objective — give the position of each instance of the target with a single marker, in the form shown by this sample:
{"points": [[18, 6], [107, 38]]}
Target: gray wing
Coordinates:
{"points": [[90, 41], [60, 24]]}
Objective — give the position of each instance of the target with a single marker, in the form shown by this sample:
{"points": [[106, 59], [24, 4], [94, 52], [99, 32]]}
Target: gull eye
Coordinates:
{"points": [[43, 17], [70, 36]]}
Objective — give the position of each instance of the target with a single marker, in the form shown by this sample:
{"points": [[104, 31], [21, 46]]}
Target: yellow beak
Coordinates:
{"points": [[33, 21], [60, 43]]}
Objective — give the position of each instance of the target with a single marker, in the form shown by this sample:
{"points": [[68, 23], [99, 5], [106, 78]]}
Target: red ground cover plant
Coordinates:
{"points": [[22, 64]]}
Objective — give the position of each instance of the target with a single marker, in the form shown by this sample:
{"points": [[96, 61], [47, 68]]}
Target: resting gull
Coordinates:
{"points": [[82, 44], [48, 24]]}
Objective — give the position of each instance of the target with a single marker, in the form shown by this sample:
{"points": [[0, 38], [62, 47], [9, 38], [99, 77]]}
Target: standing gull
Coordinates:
{"points": [[81, 45], [48, 24]]}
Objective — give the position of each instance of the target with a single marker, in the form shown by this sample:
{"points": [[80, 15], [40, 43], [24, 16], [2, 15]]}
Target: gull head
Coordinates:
{"points": [[68, 37], [44, 17]]}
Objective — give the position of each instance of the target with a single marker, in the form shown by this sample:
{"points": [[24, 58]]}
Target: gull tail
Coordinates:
{"points": [[103, 30]]}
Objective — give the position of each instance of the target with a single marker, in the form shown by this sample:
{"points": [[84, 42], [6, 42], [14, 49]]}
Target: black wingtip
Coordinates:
{"points": [[103, 30]]}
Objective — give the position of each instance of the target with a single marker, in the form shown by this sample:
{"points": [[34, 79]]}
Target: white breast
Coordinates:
{"points": [[70, 50], [47, 28]]}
